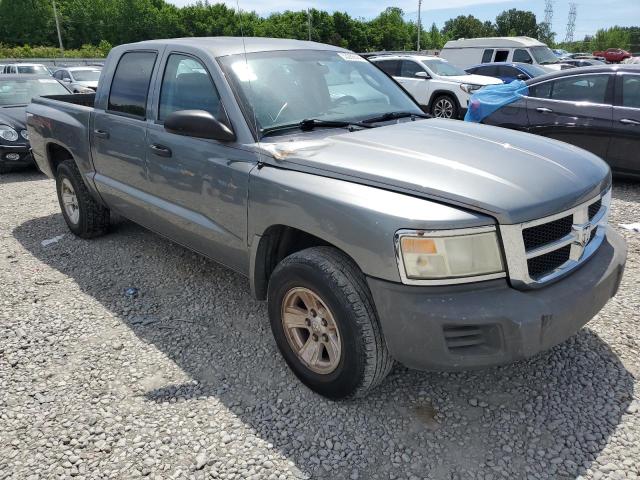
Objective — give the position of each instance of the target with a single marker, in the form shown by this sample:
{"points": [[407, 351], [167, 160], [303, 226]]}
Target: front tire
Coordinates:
{"points": [[85, 217], [444, 106], [325, 324]]}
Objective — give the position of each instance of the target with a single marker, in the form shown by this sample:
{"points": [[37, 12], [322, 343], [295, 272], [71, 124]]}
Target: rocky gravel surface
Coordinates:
{"points": [[128, 356]]}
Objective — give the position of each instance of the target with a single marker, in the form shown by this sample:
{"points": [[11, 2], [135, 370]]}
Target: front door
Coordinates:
{"points": [[418, 87], [197, 187], [625, 142], [119, 135], [576, 109]]}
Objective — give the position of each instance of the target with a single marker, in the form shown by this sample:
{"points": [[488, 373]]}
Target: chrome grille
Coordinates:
{"points": [[546, 249]]}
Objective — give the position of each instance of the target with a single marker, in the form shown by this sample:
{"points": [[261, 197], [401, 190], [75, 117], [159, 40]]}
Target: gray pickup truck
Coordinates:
{"points": [[376, 234]]}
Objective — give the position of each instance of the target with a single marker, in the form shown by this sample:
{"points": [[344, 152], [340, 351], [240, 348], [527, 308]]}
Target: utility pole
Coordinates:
{"points": [[55, 14], [571, 23], [309, 22], [419, 23]]}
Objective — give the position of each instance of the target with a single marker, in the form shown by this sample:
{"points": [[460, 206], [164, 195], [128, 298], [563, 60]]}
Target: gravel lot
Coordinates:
{"points": [[183, 380]]}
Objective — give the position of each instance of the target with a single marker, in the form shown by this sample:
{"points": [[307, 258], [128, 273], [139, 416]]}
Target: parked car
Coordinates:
{"points": [[595, 108], [613, 55], [26, 69], [466, 52], [508, 72], [561, 54], [79, 79], [16, 91], [441, 88], [374, 234], [583, 62]]}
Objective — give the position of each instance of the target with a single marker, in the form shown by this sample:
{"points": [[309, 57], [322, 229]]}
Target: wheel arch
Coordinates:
{"points": [[440, 92]]}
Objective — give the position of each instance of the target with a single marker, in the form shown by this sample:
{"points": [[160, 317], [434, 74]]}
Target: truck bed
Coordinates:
{"points": [[84, 99]]}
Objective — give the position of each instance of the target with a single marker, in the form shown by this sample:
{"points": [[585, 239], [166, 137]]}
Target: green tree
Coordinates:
{"points": [[467, 27], [516, 22]]}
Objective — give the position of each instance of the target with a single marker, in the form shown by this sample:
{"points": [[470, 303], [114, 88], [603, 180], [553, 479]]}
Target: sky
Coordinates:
{"points": [[592, 14]]}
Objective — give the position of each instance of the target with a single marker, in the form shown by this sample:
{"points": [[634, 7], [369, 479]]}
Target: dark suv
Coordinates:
{"points": [[596, 108]]}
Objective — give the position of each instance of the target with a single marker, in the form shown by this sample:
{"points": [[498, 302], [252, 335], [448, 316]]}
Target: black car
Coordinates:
{"points": [[596, 108], [583, 62], [16, 92]]}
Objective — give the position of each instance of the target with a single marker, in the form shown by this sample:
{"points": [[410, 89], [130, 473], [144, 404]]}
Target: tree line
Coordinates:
{"points": [[91, 27]]}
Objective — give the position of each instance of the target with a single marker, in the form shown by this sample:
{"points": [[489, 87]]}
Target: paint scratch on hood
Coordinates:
{"points": [[282, 150]]}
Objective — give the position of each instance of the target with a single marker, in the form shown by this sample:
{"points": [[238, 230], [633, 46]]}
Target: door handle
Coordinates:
{"points": [[628, 121], [544, 110], [160, 150], [101, 133]]}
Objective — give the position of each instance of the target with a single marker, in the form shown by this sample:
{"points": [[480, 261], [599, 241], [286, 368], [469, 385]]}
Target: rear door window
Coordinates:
{"points": [[487, 55], [631, 91], [581, 88], [390, 67], [130, 84]]}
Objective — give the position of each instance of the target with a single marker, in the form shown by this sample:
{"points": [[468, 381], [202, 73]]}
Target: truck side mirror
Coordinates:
{"points": [[199, 124]]}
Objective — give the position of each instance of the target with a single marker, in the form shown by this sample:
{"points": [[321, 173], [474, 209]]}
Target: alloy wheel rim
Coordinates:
{"points": [[443, 108], [70, 201], [311, 330]]}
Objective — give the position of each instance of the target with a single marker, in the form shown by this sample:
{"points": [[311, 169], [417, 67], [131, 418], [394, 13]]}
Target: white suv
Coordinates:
{"points": [[439, 87]]}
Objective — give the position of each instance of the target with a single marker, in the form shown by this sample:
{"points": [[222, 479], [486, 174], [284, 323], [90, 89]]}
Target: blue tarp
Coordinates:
{"points": [[493, 97]]}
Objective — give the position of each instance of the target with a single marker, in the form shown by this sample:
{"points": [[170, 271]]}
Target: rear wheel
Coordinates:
{"points": [[324, 322], [84, 216], [444, 106]]}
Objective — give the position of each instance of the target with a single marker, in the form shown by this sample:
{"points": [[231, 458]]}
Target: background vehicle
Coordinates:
{"points": [[613, 55], [16, 91], [471, 51], [595, 108], [440, 87], [583, 62], [26, 69], [374, 234], [79, 79], [508, 72]]}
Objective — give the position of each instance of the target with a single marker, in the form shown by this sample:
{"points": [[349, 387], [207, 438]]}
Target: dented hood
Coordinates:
{"points": [[510, 175]]}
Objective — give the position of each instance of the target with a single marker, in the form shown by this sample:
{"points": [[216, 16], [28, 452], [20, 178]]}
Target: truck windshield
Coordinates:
{"points": [[21, 91], [443, 68], [543, 55], [288, 86]]}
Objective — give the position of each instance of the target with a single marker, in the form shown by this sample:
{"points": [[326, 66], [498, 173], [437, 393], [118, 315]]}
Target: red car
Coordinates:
{"points": [[613, 55]]}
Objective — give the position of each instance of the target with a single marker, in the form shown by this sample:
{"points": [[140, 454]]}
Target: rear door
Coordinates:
{"points": [[119, 135], [197, 188], [418, 87], [625, 141], [576, 109]]}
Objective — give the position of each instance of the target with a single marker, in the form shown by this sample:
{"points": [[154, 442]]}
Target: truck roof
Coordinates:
{"points": [[222, 46], [493, 42]]}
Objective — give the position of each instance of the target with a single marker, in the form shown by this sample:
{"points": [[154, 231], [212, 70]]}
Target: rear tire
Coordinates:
{"points": [[445, 106], [85, 217], [325, 324]]}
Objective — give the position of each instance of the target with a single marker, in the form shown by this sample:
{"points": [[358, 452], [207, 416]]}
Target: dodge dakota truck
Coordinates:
{"points": [[376, 234]]}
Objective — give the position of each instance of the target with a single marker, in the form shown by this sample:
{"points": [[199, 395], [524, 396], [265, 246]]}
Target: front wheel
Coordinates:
{"points": [[444, 107], [325, 325]]}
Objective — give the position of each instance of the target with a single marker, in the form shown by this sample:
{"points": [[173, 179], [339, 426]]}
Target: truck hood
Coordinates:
{"points": [[512, 176]]}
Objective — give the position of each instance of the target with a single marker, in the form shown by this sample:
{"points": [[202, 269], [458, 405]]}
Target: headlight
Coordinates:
{"points": [[460, 256], [469, 88], [7, 133], [24, 134]]}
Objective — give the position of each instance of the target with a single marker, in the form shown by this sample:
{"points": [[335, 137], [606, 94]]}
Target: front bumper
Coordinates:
{"points": [[24, 159], [489, 323]]}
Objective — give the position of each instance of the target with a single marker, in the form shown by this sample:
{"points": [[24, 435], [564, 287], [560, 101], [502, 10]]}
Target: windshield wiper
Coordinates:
{"points": [[393, 115], [310, 123]]}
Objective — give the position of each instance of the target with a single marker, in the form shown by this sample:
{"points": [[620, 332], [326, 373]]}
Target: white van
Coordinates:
{"points": [[467, 52]]}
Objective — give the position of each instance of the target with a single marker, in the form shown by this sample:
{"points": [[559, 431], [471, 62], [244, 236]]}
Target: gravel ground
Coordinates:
{"points": [[183, 379]]}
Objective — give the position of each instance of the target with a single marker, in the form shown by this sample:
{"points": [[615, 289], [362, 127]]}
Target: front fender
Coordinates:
{"points": [[358, 219]]}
